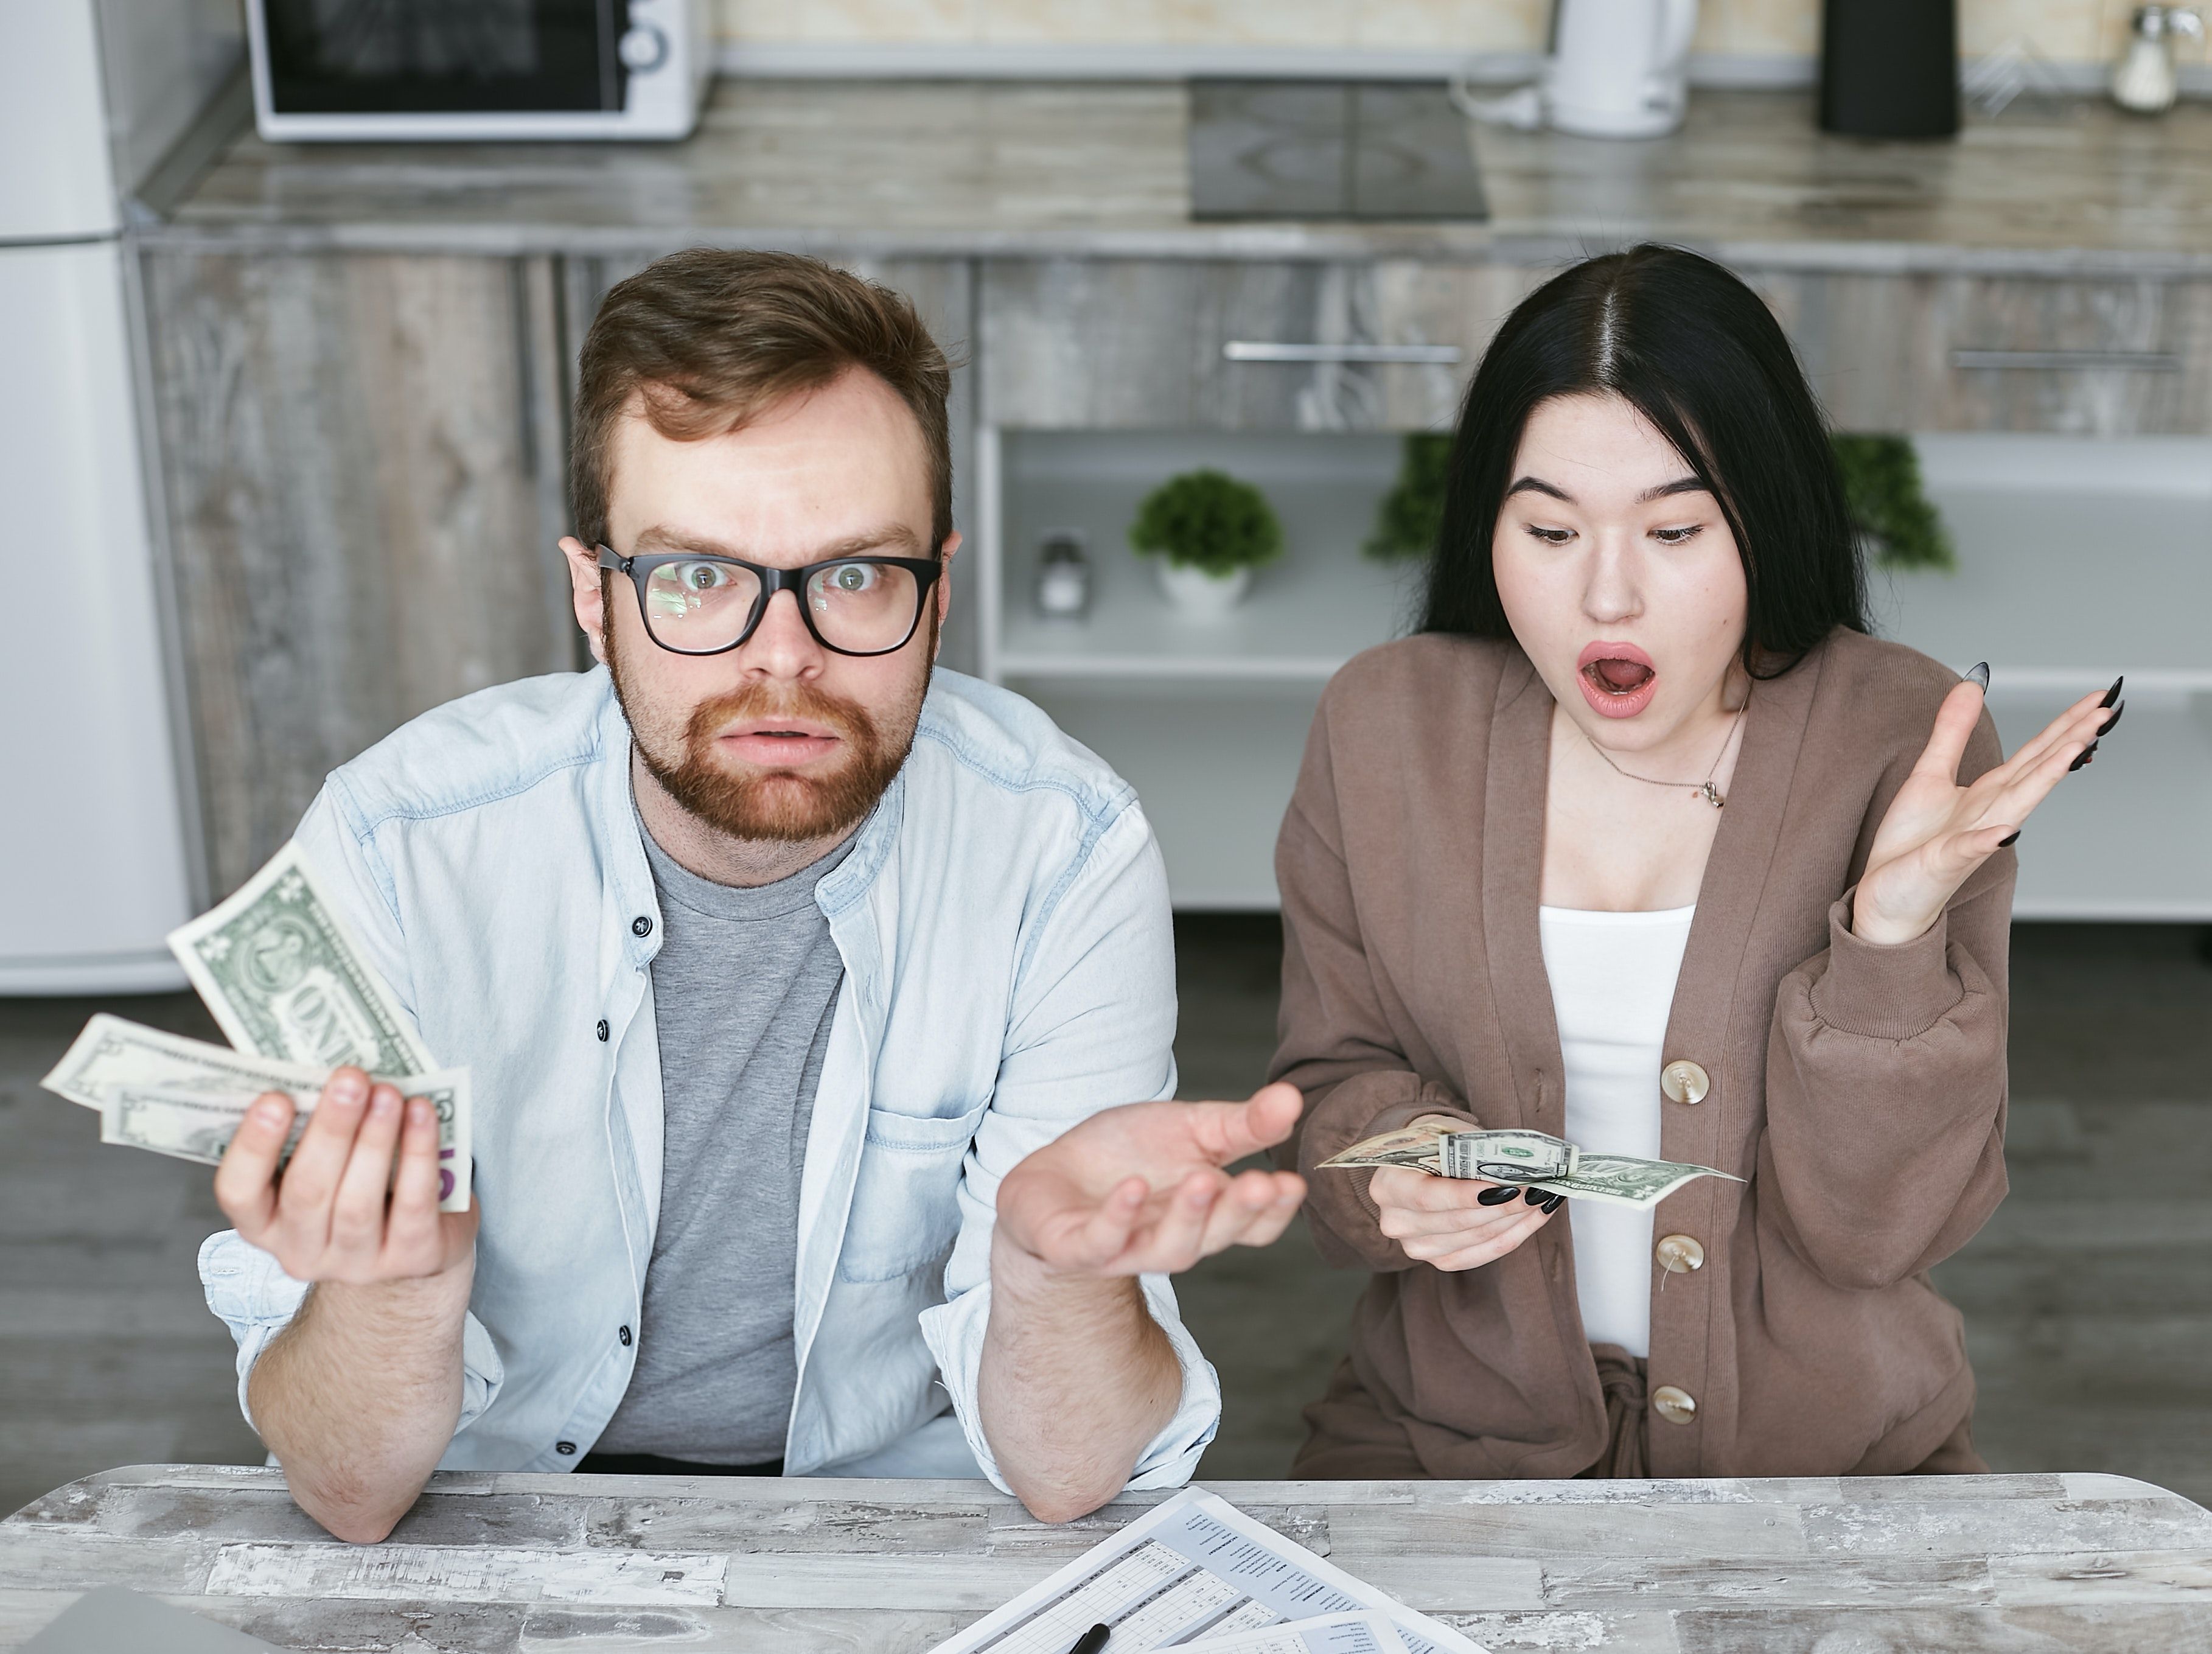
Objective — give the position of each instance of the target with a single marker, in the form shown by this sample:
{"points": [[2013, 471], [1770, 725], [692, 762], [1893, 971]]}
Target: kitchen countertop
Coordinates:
{"points": [[498, 1564], [861, 168]]}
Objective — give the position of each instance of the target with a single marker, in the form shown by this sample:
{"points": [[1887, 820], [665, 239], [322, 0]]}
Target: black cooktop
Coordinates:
{"points": [[1363, 149]]}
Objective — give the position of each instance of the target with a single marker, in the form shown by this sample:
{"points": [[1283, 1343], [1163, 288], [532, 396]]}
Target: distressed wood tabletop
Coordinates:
{"points": [[492, 1563]]}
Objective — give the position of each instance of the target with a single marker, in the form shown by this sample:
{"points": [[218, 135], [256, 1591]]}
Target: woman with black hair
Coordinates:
{"points": [[1643, 842]]}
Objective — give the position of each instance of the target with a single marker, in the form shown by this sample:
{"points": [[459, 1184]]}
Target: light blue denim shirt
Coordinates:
{"points": [[1009, 969]]}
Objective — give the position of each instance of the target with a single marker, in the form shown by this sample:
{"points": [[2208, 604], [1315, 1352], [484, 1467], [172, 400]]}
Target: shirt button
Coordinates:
{"points": [[564, 1447], [1675, 1406], [623, 1333], [641, 926], [603, 1031], [1684, 1081], [1678, 1254]]}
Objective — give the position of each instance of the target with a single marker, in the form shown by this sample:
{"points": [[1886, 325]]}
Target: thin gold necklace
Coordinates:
{"points": [[1705, 790]]}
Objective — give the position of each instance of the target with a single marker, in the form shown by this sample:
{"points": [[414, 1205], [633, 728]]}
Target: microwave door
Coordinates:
{"points": [[445, 57]]}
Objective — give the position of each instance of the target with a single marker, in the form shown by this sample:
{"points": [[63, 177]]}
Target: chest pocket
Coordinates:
{"points": [[906, 1210]]}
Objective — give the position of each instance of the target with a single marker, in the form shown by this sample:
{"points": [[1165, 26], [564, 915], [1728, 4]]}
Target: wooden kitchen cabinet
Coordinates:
{"points": [[1154, 344], [2108, 355], [1107, 345], [361, 458]]}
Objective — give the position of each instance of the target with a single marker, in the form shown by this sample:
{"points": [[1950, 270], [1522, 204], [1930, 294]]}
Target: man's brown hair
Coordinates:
{"points": [[709, 339]]}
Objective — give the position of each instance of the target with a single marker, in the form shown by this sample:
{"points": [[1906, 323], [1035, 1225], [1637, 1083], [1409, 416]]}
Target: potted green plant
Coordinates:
{"points": [[1209, 531], [1896, 523], [1410, 513]]}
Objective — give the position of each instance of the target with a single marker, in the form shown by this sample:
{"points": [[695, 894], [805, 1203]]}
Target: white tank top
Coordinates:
{"points": [[1612, 987]]}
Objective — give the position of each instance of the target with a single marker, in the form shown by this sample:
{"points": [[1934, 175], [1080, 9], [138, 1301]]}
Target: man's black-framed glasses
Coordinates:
{"points": [[696, 605]]}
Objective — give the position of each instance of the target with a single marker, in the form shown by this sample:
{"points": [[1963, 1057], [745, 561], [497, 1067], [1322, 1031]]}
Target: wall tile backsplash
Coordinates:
{"points": [[2062, 30]]}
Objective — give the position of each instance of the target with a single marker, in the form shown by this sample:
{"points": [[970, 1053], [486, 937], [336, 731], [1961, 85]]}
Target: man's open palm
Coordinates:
{"points": [[1141, 1189]]}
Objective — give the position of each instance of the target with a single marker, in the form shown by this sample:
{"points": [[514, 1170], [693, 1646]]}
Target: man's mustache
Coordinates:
{"points": [[758, 704]]}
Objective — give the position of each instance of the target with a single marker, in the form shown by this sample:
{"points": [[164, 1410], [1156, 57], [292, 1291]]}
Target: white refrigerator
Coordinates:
{"points": [[92, 867]]}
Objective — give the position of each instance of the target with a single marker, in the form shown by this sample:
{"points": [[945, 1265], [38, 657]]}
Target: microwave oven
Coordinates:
{"points": [[368, 71]]}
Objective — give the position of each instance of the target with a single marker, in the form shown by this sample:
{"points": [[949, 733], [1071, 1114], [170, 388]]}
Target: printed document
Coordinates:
{"points": [[1195, 1567]]}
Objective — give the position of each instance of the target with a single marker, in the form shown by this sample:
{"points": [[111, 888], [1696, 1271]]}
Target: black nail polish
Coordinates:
{"points": [[1554, 1204], [2089, 753], [2004, 842], [2113, 693], [1536, 1197], [2112, 723], [1498, 1195], [1978, 674]]}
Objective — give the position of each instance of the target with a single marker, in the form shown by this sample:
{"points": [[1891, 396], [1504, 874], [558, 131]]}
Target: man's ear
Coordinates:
{"points": [[944, 588], [588, 590]]}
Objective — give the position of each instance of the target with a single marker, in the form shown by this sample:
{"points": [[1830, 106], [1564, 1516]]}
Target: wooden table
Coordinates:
{"points": [[491, 1563]]}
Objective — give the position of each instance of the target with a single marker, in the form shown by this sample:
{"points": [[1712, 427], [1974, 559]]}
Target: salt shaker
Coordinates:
{"points": [[2144, 80], [1063, 579]]}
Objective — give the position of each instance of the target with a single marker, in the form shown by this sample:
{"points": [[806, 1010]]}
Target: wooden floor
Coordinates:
{"points": [[2089, 1300]]}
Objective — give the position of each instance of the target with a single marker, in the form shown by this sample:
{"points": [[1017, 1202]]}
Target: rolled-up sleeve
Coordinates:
{"points": [[250, 1293], [1092, 1027], [955, 1334]]}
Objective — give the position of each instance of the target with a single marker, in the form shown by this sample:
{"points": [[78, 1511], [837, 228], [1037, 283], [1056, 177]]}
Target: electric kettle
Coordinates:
{"points": [[1619, 67]]}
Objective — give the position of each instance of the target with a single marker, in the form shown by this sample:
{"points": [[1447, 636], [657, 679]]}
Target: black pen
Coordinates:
{"points": [[1093, 1639]]}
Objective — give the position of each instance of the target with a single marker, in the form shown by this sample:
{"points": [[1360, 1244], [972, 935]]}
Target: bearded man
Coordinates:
{"points": [[800, 986]]}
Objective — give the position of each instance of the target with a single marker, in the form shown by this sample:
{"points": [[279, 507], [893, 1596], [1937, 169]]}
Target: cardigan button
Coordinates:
{"points": [[1678, 1254], [1676, 1407], [1684, 1081]]}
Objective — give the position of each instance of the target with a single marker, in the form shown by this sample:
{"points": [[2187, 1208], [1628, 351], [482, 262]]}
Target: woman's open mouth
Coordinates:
{"points": [[1617, 680]]}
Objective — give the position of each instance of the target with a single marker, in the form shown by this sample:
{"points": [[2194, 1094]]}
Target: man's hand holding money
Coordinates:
{"points": [[1455, 1223], [358, 1202]]}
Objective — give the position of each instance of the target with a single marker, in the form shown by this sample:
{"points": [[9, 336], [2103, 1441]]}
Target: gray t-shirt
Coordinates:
{"points": [[743, 988]]}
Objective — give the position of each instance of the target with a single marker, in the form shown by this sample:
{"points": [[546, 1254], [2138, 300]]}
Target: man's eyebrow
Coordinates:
{"points": [[1538, 485], [1679, 485], [896, 538]]}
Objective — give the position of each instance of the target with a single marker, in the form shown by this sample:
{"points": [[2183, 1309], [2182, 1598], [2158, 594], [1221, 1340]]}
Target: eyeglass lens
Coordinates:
{"points": [[701, 605]]}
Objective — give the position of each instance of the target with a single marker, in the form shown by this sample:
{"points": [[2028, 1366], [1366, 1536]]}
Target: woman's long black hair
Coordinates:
{"points": [[1701, 357]]}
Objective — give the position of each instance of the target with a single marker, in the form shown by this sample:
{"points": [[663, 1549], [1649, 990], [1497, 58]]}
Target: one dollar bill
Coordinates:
{"points": [[285, 976], [1445, 1148], [185, 1099]]}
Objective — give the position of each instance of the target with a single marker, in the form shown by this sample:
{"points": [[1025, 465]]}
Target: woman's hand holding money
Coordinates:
{"points": [[1453, 1222], [340, 1211]]}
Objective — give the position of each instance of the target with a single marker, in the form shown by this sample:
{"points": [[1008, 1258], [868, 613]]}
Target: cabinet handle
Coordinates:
{"points": [[2133, 362], [1443, 356]]}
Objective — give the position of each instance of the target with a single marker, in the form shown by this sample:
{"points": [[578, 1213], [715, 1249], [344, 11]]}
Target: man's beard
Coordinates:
{"points": [[777, 805]]}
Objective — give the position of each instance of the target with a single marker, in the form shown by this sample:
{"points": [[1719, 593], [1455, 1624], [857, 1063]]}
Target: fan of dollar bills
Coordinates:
{"points": [[292, 986], [1445, 1148]]}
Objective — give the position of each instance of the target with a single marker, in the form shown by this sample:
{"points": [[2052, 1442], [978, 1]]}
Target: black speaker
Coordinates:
{"points": [[1890, 68]]}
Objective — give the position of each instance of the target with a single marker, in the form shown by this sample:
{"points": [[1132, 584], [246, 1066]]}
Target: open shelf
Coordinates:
{"points": [[1307, 613], [2077, 562], [2130, 836]]}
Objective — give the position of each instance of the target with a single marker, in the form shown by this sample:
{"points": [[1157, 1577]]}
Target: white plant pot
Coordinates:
{"points": [[1200, 595]]}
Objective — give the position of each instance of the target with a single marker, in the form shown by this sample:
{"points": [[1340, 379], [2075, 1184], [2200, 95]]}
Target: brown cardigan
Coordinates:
{"points": [[1859, 1089]]}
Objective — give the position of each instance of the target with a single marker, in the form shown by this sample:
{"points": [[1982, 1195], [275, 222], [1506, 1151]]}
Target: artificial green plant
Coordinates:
{"points": [[1208, 520]]}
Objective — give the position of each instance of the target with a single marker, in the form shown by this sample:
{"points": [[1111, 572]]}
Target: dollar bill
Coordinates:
{"points": [[285, 976], [185, 1097], [1506, 1156], [1536, 1160], [111, 1052]]}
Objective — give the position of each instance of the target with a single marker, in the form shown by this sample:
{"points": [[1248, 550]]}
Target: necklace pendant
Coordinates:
{"points": [[1710, 794]]}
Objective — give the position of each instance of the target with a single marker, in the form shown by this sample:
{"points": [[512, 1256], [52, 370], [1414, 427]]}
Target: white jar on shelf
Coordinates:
{"points": [[1063, 578]]}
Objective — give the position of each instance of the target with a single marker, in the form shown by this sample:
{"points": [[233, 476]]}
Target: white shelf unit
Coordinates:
{"points": [[1206, 719], [2079, 560]]}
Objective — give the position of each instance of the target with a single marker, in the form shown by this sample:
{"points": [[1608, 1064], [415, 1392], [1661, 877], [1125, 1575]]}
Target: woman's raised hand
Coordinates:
{"points": [[1937, 832], [1449, 1222]]}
